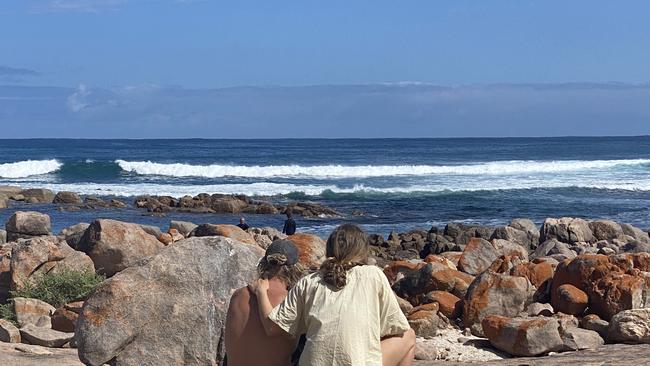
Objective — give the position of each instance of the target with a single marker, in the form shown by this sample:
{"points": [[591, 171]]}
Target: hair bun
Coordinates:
{"points": [[277, 259]]}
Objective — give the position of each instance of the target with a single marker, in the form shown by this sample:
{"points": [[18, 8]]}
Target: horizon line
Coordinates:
{"points": [[327, 138]]}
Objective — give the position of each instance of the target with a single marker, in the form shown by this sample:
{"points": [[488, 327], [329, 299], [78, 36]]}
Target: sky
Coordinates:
{"points": [[205, 68]]}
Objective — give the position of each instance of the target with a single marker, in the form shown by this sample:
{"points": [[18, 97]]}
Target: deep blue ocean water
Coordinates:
{"points": [[398, 184]]}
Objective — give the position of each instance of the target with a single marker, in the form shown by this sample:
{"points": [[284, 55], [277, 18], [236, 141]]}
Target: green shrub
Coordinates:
{"points": [[60, 288], [7, 312]]}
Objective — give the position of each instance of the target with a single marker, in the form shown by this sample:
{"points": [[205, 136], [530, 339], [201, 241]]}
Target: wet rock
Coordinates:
{"points": [[495, 294], [479, 254], [185, 287], [32, 311], [523, 336], [567, 230], [113, 245], [3, 236], [311, 249], [183, 227], [67, 198], [38, 195], [630, 326], [27, 224], [570, 300], [310, 209], [8, 332], [44, 337]]}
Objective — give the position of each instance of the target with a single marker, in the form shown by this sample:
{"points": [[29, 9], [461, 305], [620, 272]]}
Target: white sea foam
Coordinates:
{"points": [[342, 171], [271, 189], [28, 168]]}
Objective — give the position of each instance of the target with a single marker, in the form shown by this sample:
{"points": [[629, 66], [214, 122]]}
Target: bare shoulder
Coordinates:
{"points": [[240, 296]]}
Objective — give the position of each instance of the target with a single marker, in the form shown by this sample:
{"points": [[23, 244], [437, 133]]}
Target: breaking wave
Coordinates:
{"points": [[28, 168], [365, 171]]}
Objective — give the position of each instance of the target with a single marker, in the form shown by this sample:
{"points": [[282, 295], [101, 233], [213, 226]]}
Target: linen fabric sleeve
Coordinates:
{"points": [[288, 315], [392, 320]]}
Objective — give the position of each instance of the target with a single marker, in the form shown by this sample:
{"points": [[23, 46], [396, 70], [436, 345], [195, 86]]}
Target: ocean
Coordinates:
{"points": [[398, 184]]}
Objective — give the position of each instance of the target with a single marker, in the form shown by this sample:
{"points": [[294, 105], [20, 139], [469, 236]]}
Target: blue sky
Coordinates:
{"points": [[104, 47]]}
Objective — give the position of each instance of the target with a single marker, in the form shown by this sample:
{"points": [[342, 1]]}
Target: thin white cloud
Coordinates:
{"points": [[77, 101], [95, 6]]}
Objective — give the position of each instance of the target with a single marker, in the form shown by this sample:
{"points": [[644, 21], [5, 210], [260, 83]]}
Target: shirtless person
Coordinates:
{"points": [[246, 341]]}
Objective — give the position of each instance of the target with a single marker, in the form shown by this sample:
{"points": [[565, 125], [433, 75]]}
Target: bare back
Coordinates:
{"points": [[246, 341]]}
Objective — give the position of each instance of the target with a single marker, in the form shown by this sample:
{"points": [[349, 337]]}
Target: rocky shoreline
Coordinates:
{"points": [[471, 292], [203, 203]]}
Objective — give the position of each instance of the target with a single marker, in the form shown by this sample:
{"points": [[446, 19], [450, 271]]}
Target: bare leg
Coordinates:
{"points": [[398, 350]]}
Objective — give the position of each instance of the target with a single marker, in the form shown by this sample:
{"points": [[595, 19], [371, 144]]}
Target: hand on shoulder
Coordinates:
{"points": [[259, 287]]}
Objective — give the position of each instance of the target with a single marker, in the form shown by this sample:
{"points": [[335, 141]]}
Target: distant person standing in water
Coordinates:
{"points": [[242, 224], [289, 224]]}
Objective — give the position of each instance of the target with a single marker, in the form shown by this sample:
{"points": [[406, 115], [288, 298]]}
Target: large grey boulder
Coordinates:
{"points": [[27, 224], [38, 195], [169, 309], [4, 201], [115, 245], [567, 230]]}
